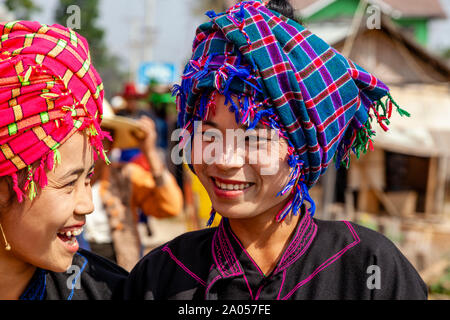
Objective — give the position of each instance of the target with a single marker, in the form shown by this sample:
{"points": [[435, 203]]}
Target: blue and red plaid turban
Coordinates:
{"points": [[284, 75]]}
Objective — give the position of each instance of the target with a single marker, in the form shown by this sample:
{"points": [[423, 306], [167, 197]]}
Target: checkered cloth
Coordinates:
{"points": [[48, 91], [290, 78]]}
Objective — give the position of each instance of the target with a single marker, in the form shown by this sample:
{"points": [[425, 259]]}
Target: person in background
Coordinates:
{"points": [[131, 110], [136, 106], [123, 189]]}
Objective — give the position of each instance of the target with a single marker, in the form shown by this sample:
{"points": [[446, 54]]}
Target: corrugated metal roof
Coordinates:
{"points": [[417, 8], [427, 131], [406, 8]]}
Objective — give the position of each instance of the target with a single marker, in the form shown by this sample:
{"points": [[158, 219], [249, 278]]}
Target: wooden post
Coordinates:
{"points": [[430, 196], [440, 184], [329, 186]]}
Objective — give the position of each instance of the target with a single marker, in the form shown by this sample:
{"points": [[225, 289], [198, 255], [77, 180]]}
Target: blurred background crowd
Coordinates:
{"points": [[140, 47]]}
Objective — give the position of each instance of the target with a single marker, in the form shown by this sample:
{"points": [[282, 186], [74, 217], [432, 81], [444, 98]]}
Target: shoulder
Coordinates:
{"points": [[365, 239], [90, 277], [100, 278], [98, 266], [194, 240], [361, 243], [187, 247], [181, 262], [366, 250]]}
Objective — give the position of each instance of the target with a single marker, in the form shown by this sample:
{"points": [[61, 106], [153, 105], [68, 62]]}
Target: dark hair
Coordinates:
{"points": [[22, 175], [283, 7]]}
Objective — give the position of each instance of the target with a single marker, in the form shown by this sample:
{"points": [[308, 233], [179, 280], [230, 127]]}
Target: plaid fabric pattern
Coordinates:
{"points": [[320, 98], [48, 91]]}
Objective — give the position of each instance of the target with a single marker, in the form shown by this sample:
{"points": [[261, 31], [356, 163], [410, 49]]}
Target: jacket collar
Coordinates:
{"points": [[226, 247]]}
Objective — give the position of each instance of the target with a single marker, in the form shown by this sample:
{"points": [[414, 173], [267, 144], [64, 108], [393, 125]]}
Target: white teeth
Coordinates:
{"points": [[232, 187], [72, 233], [71, 241]]}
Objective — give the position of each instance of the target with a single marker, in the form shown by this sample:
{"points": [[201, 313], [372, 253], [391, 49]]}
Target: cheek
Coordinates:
{"points": [[196, 154], [36, 223], [271, 159], [202, 149], [275, 178], [275, 170], [32, 230], [200, 170]]}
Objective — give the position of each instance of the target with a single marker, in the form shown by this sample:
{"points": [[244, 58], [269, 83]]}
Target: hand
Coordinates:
{"points": [[148, 141], [148, 146]]}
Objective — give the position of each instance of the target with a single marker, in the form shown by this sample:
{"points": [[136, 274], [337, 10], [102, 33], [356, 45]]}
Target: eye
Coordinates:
{"points": [[71, 184], [256, 139], [209, 136]]}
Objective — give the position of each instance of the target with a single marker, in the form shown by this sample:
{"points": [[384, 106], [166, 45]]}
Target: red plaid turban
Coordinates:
{"points": [[48, 91]]}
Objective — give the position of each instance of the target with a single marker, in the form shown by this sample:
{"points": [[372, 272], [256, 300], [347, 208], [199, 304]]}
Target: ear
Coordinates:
{"points": [[5, 193]]}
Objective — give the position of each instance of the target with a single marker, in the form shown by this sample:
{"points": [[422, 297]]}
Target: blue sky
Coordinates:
{"points": [[124, 24]]}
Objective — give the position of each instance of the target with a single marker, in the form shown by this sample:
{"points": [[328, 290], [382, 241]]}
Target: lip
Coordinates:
{"points": [[74, 246], [227, 181], [72, 227], [229, 194]]}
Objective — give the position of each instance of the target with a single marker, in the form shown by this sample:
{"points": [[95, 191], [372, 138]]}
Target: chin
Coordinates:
{"points": [[58, 262], [61, 265], [241, 211]]}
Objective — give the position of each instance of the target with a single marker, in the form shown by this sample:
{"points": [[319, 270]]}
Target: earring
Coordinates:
{"points": [[7, 246]]}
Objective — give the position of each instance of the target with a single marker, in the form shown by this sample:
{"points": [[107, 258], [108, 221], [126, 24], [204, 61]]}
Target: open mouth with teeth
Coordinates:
{"points": [[68, 237], [228, 185]]}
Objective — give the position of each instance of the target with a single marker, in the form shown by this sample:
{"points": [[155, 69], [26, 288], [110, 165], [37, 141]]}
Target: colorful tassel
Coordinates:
{"points": [[32, 190], [50, 160], [56, 157], [300, 194], [40, 175], [362, 139], [212, 215], [16, 188]]}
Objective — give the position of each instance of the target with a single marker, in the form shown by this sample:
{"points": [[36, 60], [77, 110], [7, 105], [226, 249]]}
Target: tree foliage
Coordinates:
{"points": [[88, 26], [217, 5], [23, 9], [106, 64]]}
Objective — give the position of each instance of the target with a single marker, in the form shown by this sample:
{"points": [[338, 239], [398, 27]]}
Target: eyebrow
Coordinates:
{"points": [[77, 172], [210, 123]]}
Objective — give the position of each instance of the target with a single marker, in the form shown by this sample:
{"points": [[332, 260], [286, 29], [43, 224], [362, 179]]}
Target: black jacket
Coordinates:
{"points": [[90, 277], [324, 260]]}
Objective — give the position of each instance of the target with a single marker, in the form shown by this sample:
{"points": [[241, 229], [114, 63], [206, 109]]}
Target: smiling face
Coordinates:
{"points": [[240, 183], [41, 231]]}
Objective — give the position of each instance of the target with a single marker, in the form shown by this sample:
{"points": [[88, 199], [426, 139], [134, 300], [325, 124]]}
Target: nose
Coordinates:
{"points": [[84, 204], [232, 156]]}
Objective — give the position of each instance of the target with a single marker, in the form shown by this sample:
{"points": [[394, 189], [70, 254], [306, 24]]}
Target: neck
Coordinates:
{"points": [[264, 238], [14, 275]]}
